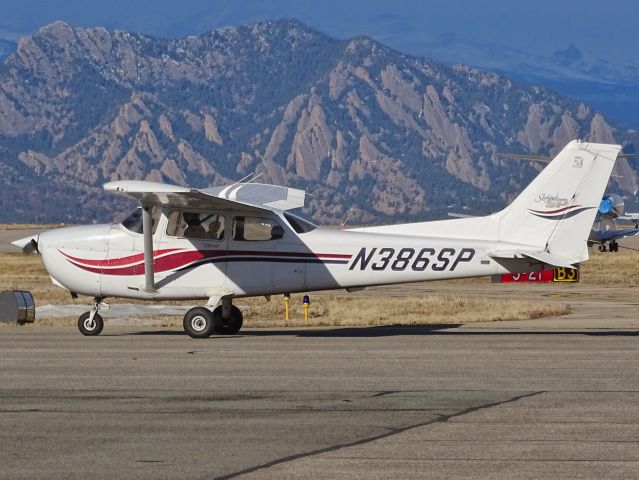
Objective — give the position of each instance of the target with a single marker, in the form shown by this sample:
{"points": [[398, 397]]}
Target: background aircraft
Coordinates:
{"points": [[612, 223]]}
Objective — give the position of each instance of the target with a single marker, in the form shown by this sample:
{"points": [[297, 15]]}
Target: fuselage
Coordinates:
{"points": [[107, 260]]}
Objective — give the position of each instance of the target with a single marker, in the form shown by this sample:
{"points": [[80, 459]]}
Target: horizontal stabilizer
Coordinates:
{"points": [[609, 235], [540, 255]]}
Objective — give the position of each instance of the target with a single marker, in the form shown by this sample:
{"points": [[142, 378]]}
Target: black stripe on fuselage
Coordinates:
{"points": [[262, 259]]}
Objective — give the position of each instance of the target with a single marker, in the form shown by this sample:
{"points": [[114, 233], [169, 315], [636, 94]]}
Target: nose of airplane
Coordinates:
{"points": [[27, 244]]}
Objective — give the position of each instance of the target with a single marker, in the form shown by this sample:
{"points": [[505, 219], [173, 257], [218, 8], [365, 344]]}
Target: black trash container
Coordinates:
{"points": [[17, 307]]}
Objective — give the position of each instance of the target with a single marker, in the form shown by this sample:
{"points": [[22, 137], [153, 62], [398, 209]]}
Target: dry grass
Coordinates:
{"points": [[20, 272], [343, 310], [26, 272], [620, 268]]}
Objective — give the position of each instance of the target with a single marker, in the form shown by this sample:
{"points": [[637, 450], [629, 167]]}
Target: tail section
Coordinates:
{"points": [[556, 211], [550, 221]]}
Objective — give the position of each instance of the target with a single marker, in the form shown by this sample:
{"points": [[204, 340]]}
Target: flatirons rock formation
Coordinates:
{"points": [[364, 129]]}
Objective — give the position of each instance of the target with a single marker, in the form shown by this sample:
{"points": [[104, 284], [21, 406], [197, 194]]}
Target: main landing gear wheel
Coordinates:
{"points": [[198, 322], [230, 325], [88, 327]]}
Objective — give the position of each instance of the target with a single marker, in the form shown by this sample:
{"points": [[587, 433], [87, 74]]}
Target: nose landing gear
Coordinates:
{"points": [[91, 323]]}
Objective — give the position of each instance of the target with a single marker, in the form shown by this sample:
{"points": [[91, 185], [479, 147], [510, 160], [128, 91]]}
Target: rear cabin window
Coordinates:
{"points": [[256, 229], [133, 222], [209, 226]]}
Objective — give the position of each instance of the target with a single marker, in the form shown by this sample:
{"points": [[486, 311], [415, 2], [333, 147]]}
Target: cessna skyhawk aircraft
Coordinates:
{"points": [[224, 243]]}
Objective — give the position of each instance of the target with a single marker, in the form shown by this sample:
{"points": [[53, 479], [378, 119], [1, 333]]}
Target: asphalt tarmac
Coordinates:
{"points": [[541, 399]]}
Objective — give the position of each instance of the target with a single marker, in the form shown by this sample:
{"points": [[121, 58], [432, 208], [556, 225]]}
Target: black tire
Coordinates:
{"points": [[198, 322], [228, 326], [90, 329]]}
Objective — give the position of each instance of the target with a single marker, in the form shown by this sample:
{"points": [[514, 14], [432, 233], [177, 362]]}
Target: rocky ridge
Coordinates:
{"points": [[365, 129]]}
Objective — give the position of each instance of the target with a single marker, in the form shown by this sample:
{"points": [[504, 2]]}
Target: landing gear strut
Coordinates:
{"points": [[201, 322], [91, 323], [613, 246]]}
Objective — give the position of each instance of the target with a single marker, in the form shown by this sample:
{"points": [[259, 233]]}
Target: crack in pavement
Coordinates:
{"points": [[362, 441]]}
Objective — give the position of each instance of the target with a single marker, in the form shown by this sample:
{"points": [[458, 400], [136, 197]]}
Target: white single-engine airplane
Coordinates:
{"points": [[239, 241]]}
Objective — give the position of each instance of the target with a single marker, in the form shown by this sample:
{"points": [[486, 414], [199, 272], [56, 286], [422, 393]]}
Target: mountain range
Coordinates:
{"points": [[369, 132], [572, 70]]}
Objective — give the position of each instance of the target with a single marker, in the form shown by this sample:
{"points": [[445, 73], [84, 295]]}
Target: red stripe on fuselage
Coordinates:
{"points": [[181, 259], [114, 262]]}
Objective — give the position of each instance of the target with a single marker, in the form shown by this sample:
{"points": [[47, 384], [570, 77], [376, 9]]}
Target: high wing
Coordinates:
{"points": [[258, 197], [253, 197]]}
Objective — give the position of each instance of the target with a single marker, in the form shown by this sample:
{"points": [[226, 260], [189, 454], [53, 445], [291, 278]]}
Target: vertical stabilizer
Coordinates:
{"points": [[556, 211]]}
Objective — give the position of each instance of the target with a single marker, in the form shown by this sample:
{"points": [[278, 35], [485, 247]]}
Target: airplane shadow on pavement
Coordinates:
{"points": [[374, 331], [386, 331]]}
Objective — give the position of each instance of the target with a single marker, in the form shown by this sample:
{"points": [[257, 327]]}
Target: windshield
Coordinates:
{"points": [[133, 222]]}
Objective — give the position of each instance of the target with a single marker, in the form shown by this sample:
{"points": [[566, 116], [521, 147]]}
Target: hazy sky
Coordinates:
{"points": [[609, 29]]}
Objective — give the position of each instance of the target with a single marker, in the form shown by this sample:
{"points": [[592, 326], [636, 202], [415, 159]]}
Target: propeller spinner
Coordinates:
{"points": [[28, 244]]}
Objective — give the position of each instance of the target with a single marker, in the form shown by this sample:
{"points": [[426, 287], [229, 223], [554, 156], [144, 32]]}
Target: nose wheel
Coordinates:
{"points": [[90, 327], [91, 323]]}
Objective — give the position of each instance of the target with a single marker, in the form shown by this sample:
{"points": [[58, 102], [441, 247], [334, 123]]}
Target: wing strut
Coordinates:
{"points": [[147, 231]]}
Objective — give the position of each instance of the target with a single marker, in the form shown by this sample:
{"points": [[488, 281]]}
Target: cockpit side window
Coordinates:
{"points": [[133, 222], [256, 229], [203, 225]]}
